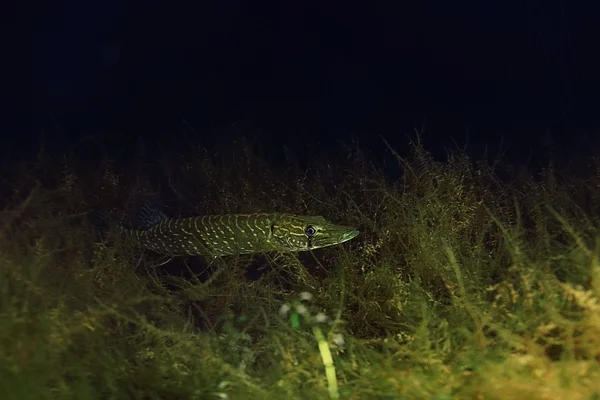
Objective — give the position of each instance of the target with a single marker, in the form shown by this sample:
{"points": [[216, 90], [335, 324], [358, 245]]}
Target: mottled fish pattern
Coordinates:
{"points": [[223, 235]]}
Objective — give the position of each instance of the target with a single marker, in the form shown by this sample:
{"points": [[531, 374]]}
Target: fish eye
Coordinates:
{"points": [[309, 231]]}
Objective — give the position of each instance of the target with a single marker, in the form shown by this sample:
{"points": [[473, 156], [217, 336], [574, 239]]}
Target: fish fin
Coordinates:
{"points": [[144, 213]]}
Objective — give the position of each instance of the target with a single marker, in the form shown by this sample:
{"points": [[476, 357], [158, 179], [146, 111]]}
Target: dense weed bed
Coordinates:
{"points": [[469, 280]]}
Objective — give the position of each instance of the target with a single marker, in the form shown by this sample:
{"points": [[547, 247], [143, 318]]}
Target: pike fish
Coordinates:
{"points": [[235, 234]]}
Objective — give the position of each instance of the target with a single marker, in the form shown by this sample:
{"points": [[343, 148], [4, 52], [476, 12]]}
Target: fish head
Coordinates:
{"points": [[293, 233]]}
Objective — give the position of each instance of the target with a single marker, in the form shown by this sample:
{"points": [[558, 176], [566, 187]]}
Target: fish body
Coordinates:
{"points": [[234, 234]]}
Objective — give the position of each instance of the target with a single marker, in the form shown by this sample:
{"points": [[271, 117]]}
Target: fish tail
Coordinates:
{"points": [[145, 212]]}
